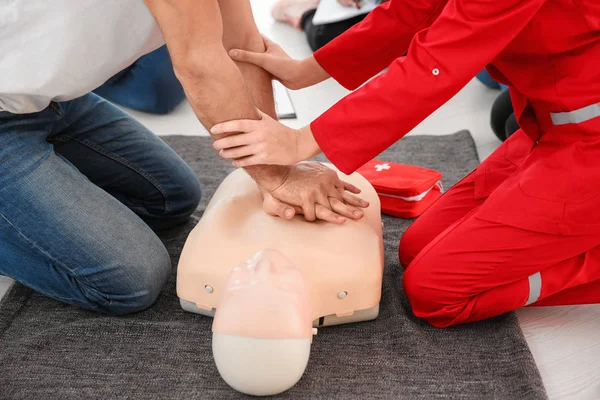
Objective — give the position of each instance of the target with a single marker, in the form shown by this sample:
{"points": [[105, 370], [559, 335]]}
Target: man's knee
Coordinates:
{"points": [[189, 193], [180, 195], [176, 200], [140, 275]]}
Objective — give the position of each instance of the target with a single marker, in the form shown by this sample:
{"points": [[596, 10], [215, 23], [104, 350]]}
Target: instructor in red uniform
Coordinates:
{"points": [[524, 227]]}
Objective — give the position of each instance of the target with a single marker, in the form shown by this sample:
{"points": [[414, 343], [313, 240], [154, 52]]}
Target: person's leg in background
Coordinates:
{"points": [[292, 11], [149, 85], [300, 13], [319, 35], [66, 237], [484, 77], [503, 120], [511, 125]]}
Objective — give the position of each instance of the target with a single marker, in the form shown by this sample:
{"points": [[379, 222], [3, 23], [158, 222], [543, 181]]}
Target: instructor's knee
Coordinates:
{"points": [[410, 246], [414, 290], [428, 301]]}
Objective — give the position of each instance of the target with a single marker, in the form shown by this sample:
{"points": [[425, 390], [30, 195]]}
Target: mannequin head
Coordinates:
{"points": [[262, 328]]}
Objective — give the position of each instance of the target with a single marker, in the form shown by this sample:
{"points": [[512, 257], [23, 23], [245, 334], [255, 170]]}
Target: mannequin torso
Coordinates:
{"points": [[342, 264]]}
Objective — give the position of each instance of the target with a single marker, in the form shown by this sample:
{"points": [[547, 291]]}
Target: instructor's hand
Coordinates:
{"points": [[275, 61], [293, 74], [264, 141]]}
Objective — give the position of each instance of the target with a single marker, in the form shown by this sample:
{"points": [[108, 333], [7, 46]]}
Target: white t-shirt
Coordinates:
{"points": [[62, 49]]}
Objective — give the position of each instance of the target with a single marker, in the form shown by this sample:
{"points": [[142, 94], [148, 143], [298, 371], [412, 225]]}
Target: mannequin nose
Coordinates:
{"points": [[265, 267]]}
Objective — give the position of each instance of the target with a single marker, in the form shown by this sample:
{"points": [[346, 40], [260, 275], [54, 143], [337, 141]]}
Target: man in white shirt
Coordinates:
{"points": [[82, 185]]}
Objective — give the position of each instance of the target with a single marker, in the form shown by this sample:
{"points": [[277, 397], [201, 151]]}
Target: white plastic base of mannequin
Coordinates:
{"points": [[193, 308], [329, 320], [260, 367]]}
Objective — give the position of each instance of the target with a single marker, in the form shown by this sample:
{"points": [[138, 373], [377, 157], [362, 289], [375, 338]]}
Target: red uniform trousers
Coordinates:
{"points": [[462, 266]]}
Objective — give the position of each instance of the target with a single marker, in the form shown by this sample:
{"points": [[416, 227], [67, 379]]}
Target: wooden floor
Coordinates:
{"points": [[565, 341]]}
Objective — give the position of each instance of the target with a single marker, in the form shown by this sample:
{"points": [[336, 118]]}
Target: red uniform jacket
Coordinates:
{"points": [[547, 51]]}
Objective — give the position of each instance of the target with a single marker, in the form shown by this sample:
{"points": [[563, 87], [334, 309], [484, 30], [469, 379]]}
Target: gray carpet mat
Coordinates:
{"points": [[49, 350]]}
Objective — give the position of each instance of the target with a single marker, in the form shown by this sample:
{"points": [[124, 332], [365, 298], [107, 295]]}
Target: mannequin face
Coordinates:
{"points": [[267, 270], [268, 291]]}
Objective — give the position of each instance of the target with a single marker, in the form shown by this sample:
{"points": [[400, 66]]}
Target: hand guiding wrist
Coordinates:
{"points": [[306, 145], [310, 73]]}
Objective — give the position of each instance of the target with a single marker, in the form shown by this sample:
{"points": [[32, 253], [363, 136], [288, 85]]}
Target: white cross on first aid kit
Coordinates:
{"points": [[381, 167]]}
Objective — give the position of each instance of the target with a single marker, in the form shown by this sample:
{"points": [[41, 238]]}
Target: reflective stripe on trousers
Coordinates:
{"points": [[576, 116], [535, 288]]}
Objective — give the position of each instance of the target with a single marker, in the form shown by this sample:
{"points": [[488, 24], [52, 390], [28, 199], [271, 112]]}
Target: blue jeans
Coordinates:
{"points": [[149, 85], [83, 187], [484, 77]]}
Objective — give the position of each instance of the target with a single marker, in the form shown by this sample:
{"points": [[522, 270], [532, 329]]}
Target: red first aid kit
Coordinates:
{"points": [[405, 191]]}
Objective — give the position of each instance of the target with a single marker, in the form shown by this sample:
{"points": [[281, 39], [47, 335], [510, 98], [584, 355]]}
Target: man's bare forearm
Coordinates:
{"points": [[239, 30], [217, 89]]}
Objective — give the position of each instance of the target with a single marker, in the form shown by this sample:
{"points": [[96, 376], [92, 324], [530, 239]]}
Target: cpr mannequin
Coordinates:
{"points": [[337, 270]]}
